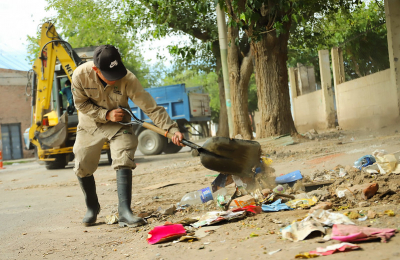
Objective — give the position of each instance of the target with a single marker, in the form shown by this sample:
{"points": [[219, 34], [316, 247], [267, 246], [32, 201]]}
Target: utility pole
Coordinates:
{"points": [[223, 46]]}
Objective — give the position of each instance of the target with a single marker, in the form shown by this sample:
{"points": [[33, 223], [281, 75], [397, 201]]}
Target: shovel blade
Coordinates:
{"points": [[233, 156]]}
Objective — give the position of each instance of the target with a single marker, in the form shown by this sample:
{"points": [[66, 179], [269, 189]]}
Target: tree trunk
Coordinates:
{"points": [[272, 85], [223, 129], [240, 69]]}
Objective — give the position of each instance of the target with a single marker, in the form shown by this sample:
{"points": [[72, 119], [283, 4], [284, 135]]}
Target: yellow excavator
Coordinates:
{"points": [[54, 123]]}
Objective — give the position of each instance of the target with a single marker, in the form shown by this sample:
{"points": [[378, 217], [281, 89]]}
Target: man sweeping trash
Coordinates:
{"points": [[99, 89]]}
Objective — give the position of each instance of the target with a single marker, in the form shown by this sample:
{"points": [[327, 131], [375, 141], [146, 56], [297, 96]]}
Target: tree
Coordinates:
{"points": [[209, 81], [197, 20], [360, 33], [240, 69], [267, 24], [153, 19]]}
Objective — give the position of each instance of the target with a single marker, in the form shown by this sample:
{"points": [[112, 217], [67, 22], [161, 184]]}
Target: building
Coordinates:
{"points": [[15, 113]]}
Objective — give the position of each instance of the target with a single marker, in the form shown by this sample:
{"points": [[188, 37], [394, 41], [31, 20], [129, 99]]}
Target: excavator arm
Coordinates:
{"points": [[52, 48]]}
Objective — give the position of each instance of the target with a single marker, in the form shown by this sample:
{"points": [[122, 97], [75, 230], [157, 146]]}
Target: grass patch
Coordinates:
{"points": [[11, 163]]}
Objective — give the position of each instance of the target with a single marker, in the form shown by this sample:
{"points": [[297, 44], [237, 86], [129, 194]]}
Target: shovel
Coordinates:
{"points": [[221, 154]]}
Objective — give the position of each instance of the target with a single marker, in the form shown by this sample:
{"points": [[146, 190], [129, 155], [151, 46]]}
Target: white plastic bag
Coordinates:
{"points": [[387, 162]]}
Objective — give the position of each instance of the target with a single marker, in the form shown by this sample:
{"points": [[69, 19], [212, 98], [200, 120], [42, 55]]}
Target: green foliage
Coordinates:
{"points": [[258, 18], [32, 47], [209, 81], [360, 32], [93, 22], [195, 20]]}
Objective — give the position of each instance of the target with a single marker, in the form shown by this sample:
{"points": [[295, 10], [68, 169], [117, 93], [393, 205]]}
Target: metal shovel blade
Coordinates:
{"points": [[233, 156]]}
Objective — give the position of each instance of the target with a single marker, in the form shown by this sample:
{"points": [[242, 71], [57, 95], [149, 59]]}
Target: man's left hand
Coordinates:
{"points": [[177, 139]]}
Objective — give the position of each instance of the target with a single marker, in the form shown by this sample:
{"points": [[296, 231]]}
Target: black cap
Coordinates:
{"points": [[108, 60]]}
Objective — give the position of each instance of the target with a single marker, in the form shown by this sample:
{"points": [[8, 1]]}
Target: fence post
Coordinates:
{"points": [[326, 85], [293, 91], [338, 75]]}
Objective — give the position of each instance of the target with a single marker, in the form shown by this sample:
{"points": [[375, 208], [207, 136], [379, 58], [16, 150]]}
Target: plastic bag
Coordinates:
{"points": [[386, 162]]}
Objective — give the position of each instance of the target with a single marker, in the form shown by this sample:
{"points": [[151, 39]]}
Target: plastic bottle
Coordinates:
{"points": [[364, 161], [240, 184], [201, 196]]}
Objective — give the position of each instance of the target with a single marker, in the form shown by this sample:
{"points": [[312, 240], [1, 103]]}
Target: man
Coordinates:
{"points": [[68, 94], [99, 89]]}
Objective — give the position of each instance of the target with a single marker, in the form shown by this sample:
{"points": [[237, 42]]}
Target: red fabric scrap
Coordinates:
{"points": [[165, 233], [249, 208]]}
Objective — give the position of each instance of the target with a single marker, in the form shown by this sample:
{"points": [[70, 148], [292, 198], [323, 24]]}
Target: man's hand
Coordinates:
{"points": [[115, 115], [177, 138]]}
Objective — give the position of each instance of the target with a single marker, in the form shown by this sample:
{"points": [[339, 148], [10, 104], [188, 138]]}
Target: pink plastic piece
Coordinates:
{"points": [[334, 248], [165, 233], [350, 233]]}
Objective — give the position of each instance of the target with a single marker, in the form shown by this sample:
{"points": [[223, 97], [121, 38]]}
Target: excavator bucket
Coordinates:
{"points": [[56, 135]]}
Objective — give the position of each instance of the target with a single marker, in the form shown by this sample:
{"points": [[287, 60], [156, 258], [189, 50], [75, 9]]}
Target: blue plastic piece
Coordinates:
{"points": [[290, 177], [206, 195], [276, 206]]}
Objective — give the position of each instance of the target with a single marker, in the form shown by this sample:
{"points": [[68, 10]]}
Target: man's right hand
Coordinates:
{"points": [[115, 115]]}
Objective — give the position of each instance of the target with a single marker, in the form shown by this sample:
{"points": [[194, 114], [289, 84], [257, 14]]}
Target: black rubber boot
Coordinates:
{"points": [[88, 186], [124, 186]]}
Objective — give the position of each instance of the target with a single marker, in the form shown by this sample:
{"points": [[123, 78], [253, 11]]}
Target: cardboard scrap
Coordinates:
{"points": [[205, 231], [302, 203], [302, 229], [165, 184], [218, 216], [329, 218], [243, 201]]}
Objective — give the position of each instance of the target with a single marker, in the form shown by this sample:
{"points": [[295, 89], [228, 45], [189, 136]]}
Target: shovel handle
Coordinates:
{"points": [[168, 135], [157, 130]]}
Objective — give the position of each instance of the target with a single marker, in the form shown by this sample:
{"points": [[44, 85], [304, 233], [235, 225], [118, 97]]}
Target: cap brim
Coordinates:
{"points": [[116, 73]]}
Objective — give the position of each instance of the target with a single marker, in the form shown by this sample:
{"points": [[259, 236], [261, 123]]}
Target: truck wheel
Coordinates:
{"points": [[170, 147], [151, 143], [59, 163]]}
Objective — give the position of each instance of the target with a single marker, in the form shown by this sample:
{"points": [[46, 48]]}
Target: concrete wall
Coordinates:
{"points": [[309, 111], [314, 110], [15, 106], [369, 101]]}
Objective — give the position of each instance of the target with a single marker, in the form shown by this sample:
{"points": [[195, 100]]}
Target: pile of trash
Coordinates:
{"points": [[350, 190]]}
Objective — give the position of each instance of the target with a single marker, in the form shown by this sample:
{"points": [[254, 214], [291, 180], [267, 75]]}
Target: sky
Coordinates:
{"points": [[19, 18]]}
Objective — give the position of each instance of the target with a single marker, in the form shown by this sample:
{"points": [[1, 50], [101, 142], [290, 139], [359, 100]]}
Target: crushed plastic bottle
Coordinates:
{"points": [[364, 161], [240, 185], [201, 196]]}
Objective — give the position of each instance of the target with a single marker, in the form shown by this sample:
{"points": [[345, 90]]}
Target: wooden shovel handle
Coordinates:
{"points": [[158, 130], [168, 135]]}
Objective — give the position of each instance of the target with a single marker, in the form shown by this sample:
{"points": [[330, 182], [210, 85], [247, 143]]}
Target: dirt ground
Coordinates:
{"points": [[41, 210]]}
